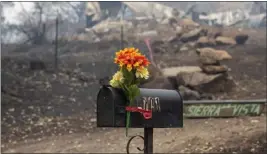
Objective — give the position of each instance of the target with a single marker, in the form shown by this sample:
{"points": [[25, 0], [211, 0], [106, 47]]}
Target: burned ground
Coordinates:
{"points": [[43, 107]]}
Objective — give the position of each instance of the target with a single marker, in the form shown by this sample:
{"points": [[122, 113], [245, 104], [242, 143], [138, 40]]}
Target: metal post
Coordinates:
{"points": [[122, 46], [56, 43], [122, 17], [148, 140]]}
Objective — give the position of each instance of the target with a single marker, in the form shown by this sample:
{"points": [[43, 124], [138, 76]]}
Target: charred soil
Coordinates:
{"points": [[54, 110]]}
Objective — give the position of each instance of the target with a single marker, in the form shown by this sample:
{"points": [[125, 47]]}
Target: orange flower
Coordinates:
{"points": [[131, 58]]}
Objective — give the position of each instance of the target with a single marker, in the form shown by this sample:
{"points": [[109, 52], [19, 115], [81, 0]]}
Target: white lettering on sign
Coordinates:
{"points": [[151, 103], [216, 110]]}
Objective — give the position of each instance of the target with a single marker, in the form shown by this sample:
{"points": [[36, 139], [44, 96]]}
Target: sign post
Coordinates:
{"points": [[148, 140]]}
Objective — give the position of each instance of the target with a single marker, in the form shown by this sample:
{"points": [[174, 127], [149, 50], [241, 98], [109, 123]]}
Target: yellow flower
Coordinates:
{"points": [[118, 76], [116, 79], [142, 72], [114, 83]]}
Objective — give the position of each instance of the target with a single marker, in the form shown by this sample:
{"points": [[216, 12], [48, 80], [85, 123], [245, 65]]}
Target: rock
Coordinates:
{"points": [[217, 34], [172, 22], [204, 41], [11, 109], [221, 40], [157, 43], [166, 78], [159, 82], [188, 22], [160, 49], [85, 36], [151, 33], [222, 55], [241, 38], [184, 48], [206, 96], [205, 83], [214, 69], [192, 35], [179, 31], [192, 44], [93, 120], [173, 71], [177, 36], [188, 94], [212, 56], [172, 39]]}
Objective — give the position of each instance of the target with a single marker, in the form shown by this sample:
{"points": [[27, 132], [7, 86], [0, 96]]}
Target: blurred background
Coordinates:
{"points": [[56, 55]]}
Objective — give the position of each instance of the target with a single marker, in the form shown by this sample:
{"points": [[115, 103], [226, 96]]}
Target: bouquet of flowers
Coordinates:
{"points": [[132, 70]]}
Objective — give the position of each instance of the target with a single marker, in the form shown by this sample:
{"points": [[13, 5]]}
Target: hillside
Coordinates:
{"points": [[45, 104]]}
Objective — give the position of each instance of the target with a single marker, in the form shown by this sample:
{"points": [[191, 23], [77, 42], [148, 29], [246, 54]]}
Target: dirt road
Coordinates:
{"points": [[246, 134]]}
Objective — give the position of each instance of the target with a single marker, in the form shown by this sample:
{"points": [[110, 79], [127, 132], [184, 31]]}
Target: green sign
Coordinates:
{"points": [[222, 110]]}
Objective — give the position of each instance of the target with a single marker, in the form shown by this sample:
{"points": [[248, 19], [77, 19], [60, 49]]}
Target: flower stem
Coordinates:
{"points": [[128, 115]]}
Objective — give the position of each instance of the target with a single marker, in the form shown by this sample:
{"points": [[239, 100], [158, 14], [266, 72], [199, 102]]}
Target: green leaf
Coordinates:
{"points": [[137, 81], [135, 91], [129, 76]]}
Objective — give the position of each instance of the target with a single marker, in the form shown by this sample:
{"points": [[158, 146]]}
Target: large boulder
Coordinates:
{"points": [[188, 94], [222, 40], [192, 35], [210, 56], [214, 69], [205, 83], [159, 82], [173, 71], [186, 22], [175, 38], [205, 41]]}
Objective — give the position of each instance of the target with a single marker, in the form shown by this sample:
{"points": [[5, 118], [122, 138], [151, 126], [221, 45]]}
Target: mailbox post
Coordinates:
{"points": [[166, 106]]}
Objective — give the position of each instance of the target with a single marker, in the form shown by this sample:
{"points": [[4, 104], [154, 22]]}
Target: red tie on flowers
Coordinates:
{"points": [[146, 113]]}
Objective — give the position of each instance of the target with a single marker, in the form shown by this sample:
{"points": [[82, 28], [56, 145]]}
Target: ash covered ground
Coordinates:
{"points": [[48, 110]]}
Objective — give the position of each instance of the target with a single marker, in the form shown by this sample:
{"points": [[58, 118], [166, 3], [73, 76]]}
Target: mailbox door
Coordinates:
{"points": [[105, 111], [110, 103]]}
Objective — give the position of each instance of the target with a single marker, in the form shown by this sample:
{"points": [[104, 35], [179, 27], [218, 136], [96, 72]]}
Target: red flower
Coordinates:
{"points": [[131, 58]]}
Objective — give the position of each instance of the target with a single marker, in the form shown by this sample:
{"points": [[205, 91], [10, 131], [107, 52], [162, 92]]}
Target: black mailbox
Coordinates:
{"points": [[166, 106]]}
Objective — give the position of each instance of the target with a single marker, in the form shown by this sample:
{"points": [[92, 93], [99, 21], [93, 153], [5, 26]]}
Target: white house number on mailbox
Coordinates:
{"points": [[151, 103]]}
